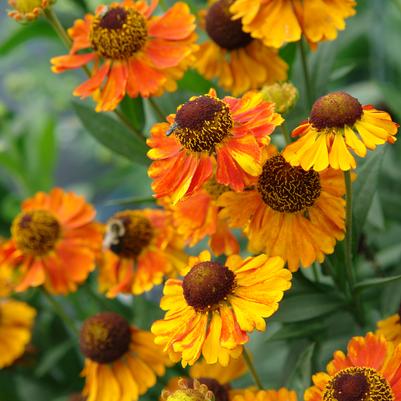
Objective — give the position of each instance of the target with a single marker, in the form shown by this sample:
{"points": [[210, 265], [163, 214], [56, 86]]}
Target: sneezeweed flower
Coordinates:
{"points": [[371, 370], [292, 213], [16, 321], [213, 308], [196, 217], [337, 124], [121, 362], [27, 10], [250, 394], [317, 20], [283, 94], [141, 247], [133, 53], [54, 242], [207, 134], [390, 328], [238, 61], [185, 392]]}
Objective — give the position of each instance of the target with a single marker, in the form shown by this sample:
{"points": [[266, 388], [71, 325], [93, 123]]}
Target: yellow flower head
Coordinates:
{"points": [[27, 10], [283, 94], [185, 392], [390, 328], [337, 125]]}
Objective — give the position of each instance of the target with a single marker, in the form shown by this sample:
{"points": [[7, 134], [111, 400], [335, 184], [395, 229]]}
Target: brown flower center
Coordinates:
{"points": [[119, 33], [219, 391], [128, 233], [202, 123], [207, 284], [227, 33], [35, 232], [105, 337], [335, 110], [77, 397], [288, 189], [358, 384]]}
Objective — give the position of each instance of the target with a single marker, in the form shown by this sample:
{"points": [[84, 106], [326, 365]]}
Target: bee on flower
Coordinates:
{"points": [[132, 51], [209, 135]]}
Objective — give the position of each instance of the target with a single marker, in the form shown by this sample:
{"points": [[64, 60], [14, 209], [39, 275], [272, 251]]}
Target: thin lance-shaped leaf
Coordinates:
{"points": [[375, 282], [364, 189], [112, 134], [134, 110]]}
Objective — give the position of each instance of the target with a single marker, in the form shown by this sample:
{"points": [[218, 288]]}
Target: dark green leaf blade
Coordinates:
{"points": [[374, 282]]}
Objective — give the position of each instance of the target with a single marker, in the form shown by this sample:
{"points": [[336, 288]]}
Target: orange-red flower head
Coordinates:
{"points": [[207, 134], [133, 52], [337, 125], [54, 242]]}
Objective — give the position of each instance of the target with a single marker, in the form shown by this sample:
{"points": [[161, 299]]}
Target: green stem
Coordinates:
{"points": [[315, 272], [348, 250], [308, 85], [157, 109], [285, 133], [68, 322], [58, 27], [252, 369]]}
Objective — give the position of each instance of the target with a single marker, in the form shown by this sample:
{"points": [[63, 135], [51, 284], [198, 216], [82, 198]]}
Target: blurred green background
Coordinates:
{"points": [[43, 143]]}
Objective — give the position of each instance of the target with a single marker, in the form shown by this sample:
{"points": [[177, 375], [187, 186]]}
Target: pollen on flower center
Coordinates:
{"points": [[219, 391], [128, 233], [119, 33], [336, 109], [35, 232], [227, 33], [202, 123], [358, 384], [105, 337], [286, 188], [207, 284]]}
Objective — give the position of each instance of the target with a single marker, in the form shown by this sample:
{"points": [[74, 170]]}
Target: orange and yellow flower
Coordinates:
{"points": [[338, 124], [213, 308], [238, 61], [292, 213], [27, 10], [196, 217], [390, 328], [122, 362], [141, 248], [371, 369], [250, 394], [207, 134], [16, 321], [133, 52], [54, 242], [277, 22]]}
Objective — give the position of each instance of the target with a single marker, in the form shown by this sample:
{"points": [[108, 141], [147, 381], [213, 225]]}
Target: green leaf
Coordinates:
{"points": [[112, 134], [292, 331], [374, 282], [194, 82], [134, 111], [52, 358], [306, 306], [364, 189], [24, 34]]}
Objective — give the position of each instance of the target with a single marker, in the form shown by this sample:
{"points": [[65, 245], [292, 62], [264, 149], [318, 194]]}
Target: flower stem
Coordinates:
{"points": [[157, 109], [59, 29], [308, 85], [285, 133], [68, 322], [348, 250], [252, 369]]}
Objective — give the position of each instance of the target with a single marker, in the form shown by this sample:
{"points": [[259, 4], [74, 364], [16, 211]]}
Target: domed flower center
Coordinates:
{"points": [[219, 391], [194, 392], [227, 33], [128, 233], [119, 33], [214, 189], [105, 337], [35, 232], [288, 189], [358, 384], [202, 123], [335, 110], [207, 284]]}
